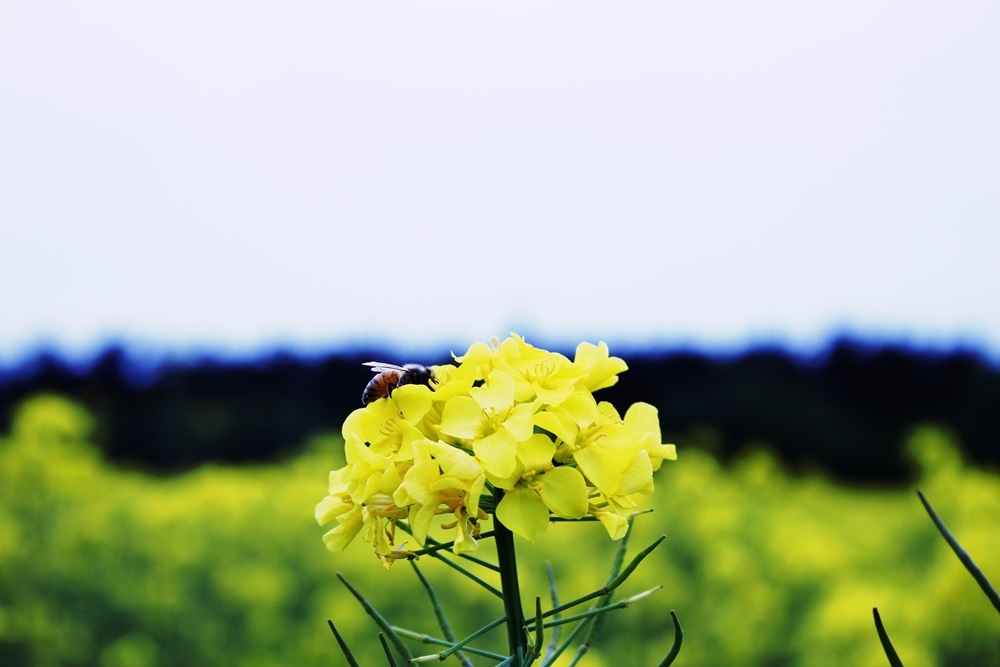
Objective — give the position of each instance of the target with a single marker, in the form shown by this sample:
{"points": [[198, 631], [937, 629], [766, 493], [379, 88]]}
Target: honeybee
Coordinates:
{"points": [[390, 376]]}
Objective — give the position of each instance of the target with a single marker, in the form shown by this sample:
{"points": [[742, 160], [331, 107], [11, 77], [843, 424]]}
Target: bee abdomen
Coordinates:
{"points": [[380, 386]]}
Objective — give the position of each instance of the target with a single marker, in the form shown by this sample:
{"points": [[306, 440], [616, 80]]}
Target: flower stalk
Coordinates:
{"points": [[517, 641]]}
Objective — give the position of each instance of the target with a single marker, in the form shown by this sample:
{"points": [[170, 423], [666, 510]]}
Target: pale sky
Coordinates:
{"points": [[230, 175]]}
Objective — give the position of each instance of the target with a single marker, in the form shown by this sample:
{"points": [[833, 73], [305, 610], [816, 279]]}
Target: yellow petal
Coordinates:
{"points": [[332, 507], [536, 452], [420, 521], [413, 401], [497, 394], [350, 525], [623, 505], [451, 382], [638, 476], [497, 453], [616, 525], [564, 491], [475, 492], [464, 542], [456, 462], [609, 412], [389, 481], [506, 482], [660, 453], [643, 418], [444, 485], [336, 480], [554, 395], [418, 481], [524, 513], [521, 422], [601, 467], [581, 408], [379, 421], [602, 370], [353, 423], [480, 358], [463, 418], [559, 425], [409, 436]]}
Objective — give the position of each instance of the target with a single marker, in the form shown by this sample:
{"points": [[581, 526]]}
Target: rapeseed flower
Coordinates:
{"points": [[509, 429]]}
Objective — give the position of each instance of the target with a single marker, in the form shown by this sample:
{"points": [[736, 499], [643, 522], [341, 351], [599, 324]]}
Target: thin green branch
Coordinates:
{"points": [[379, 620], [461, 645], [962, 554], [616, 567], [549, 659], [536, 649], [450, 563], [554, 596], [616, 564], [439, 613], [593, 615], [633, 564], [584, 646], [479, 561], [435, 546], [559, 519], [883, 636], [578, 601], [678, 638], [343, 645], [597, 610], [434, 551], [428, 639], [614, 583], [385, 648]]}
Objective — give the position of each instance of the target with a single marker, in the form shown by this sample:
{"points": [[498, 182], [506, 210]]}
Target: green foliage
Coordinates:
{"points": [[100, 566]]}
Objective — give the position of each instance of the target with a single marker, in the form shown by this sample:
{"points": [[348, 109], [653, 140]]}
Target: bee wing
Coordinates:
{"points": [[380, 366]]}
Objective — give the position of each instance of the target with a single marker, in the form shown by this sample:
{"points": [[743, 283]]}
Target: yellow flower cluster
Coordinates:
{"points": [[510, 418]]}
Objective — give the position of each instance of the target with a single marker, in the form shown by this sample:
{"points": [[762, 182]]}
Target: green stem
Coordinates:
{"points": [[517, 640], [678, 638], [883, 636], [343, 646], [962, 554]]}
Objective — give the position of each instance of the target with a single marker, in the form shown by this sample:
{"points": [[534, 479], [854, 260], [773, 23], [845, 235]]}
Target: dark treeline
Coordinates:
{"points": [[847, 411]]}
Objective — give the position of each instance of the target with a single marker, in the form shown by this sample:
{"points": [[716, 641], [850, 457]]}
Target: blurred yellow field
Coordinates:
{"points": [[225, 566]]}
